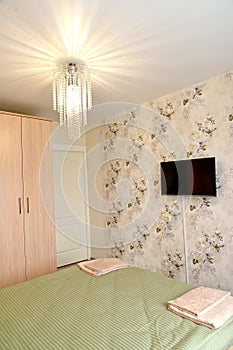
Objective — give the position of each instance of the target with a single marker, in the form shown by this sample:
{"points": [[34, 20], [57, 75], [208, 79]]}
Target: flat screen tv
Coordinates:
{"points": [[189, 177]]}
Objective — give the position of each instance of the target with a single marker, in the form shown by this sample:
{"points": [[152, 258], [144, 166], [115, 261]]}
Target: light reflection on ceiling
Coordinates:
{"points": [[136, 50]]}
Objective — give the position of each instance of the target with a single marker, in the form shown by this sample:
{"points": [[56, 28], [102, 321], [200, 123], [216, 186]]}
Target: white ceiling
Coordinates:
{"points": [[137, 50]]}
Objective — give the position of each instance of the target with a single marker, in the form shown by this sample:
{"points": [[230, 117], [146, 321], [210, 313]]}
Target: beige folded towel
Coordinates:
{"points": [[213, 318], [199, 300], [99, 267]]}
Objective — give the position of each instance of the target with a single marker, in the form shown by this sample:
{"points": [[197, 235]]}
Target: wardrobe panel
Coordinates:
{"points": [[39, 228], [12, 258]]}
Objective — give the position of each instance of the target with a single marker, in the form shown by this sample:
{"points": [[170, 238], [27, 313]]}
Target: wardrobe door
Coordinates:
{"points": [[39, 228], [12, 260]]}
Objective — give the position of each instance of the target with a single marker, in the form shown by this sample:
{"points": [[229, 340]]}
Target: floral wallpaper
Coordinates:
{"points": [[191, 238]]}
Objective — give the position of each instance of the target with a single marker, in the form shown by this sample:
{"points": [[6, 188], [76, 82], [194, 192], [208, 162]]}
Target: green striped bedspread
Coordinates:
{"points": [[123, 310]]}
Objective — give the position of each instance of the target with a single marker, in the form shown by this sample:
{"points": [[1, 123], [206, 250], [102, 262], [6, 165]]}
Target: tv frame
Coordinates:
{"points": [[185, 176]]}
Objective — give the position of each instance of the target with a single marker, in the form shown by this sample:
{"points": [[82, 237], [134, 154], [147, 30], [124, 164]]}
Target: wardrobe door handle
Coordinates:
{"points": [[20, 205], [28, 207]]}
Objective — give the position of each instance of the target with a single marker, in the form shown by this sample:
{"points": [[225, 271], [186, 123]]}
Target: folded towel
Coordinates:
{"points": [[99, 267], [213, 318], [199, 300]]}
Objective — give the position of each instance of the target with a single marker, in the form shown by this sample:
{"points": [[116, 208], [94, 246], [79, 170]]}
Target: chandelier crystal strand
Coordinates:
{"points": [[80, 110], [72, 96], [84, 118]]}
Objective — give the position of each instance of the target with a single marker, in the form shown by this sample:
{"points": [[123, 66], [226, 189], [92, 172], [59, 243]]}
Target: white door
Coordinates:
{"points": [[71, 205]]}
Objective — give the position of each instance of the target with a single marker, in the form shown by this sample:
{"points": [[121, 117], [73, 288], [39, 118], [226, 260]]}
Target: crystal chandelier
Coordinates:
{"points": [[72, 97]]}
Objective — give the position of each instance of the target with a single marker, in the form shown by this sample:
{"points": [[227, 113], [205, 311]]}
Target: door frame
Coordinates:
{"points": [[81, 149]]}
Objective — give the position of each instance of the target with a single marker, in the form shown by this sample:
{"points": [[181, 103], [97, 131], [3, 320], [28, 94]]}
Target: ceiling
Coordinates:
{"points": [[137, 50]]}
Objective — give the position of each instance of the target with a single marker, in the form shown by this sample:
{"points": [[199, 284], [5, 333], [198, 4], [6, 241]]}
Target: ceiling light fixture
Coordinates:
{"points": [[72, 97]]}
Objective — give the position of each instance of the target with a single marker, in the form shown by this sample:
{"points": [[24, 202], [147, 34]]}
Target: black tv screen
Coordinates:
{"points": [[189, 177]]}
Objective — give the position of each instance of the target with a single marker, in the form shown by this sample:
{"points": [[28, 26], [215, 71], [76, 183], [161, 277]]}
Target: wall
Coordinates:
{"points": [[195, 122]]}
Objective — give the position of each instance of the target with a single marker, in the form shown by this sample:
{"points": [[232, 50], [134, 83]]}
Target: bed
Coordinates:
{"points": [[122, 310]]}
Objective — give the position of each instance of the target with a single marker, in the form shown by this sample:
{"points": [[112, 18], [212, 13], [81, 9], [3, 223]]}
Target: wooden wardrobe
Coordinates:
{"points": [[27, 232]]}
